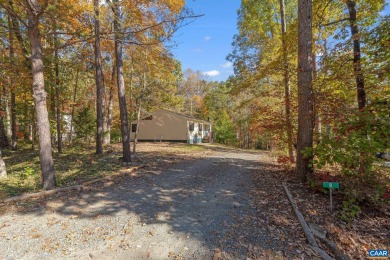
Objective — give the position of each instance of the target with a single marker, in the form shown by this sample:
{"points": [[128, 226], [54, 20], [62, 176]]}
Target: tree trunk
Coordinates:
{"points": [[40, 95], [3, 134], [11, 79], [305, 90], [73, 106], [12, 117], [121, 81], [318, 119], [139, 111], [107, 136], [99, 84], [58, 101], [319, 126], [131, 98], [14, 138], [359, 77], [137, 127], [17, 31], [191, 113], [357, 68], [8, 107], [3, 169], [52, 105], [287, 100], [32, 131]]}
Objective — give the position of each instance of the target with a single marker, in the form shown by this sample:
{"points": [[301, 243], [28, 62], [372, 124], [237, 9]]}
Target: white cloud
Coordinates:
{"points": [[227, 65], [207, 38], [212, 73]]}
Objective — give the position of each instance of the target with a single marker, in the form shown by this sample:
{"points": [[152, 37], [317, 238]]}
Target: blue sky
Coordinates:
{"points": [[204, 44], [387, 8]]}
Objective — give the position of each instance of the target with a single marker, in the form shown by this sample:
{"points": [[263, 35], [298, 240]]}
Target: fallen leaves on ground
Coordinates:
{"points": [[371, 230]]}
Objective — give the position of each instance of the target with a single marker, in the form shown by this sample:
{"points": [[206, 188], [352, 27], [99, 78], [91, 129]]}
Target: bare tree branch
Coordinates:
{"points": [[10, 10], [18, 34], [339, 21], [110, 34]]}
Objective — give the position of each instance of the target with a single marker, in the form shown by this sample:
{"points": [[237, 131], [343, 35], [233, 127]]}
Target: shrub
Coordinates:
{"points": [[85, 123], [349, 211], [353, 146]]}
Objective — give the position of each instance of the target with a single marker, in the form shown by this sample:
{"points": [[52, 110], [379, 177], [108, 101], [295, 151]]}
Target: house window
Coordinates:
{"points": [[200, 127], [191, 126], [134, 128], [206, 127]]}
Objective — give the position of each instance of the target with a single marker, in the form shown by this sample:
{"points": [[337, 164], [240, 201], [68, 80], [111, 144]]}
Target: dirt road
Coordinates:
{"points": [[183, 212]]}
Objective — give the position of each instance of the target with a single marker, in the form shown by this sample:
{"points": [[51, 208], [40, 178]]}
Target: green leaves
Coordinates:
{"points": [[349, 211], [356, 140], [224, 129], [85, 122]]}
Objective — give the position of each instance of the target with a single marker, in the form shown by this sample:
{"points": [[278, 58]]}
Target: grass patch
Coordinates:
{"points": [[190, 147], [76, 165]]}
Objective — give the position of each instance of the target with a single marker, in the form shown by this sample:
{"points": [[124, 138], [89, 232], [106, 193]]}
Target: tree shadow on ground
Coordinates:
{"points": [[75, 166], [230, 149], [205, 198]]}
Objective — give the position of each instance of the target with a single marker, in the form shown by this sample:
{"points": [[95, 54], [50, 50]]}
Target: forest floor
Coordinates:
{"points": [[189, 202], [79, 163]]}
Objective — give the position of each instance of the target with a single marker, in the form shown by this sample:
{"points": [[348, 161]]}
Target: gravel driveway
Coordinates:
{"points": [[186, 211]]}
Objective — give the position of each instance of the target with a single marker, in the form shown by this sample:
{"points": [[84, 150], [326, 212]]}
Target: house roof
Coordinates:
{"points": [[181, 115]]}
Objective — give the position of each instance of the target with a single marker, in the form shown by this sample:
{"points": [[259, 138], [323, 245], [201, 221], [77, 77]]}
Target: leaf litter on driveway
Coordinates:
{"points": [[225, 201]]}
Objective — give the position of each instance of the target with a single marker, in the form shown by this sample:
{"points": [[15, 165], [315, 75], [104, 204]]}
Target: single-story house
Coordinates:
{"points": [[165, 125]]}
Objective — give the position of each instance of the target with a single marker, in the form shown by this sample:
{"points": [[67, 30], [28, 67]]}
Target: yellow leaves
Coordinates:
{"points": [[35, 234], [71, 235], [340, 93], [52, 221], [50, 246], [174, 5]]}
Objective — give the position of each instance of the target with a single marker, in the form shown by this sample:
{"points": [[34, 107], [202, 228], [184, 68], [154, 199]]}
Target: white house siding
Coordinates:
{"points": [[200, 133]]}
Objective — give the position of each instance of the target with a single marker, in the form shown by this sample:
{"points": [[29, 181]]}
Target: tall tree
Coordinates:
{"points": [[286, 81], [99, 83], [357, 67], [12, 82], [262, 61], [143, 82], [14, 138], [305, 91], [35, 10], [72, 113], [192, 86], [107, 135], [58, 91], [3, 133], [117, 10]]}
